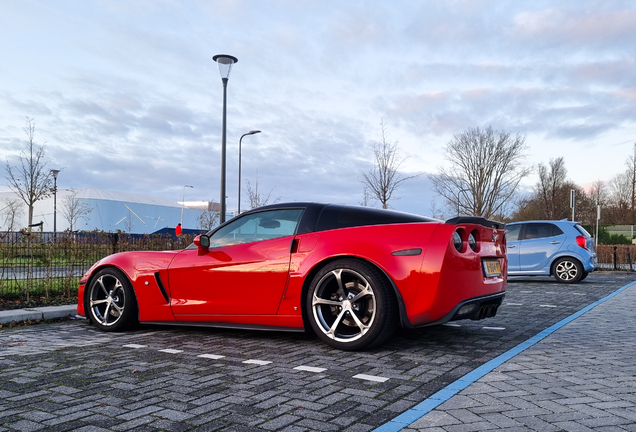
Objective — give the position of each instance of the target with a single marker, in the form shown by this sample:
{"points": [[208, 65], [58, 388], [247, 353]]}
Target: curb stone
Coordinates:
{"points": [[39, 313]]}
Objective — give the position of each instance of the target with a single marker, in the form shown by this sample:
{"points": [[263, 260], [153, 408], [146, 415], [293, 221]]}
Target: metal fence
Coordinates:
{"points": [[611, 257], [44, 265]]}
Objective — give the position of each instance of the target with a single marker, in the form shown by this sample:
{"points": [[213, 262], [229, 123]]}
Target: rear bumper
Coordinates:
{"points": [[475, 309]]}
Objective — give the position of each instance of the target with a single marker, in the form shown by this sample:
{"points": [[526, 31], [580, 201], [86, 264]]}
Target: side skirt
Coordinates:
{"points": [[228, 326]]}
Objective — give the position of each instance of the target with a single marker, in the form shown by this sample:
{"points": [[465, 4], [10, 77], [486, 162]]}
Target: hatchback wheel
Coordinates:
{"points": [[568, 270]]}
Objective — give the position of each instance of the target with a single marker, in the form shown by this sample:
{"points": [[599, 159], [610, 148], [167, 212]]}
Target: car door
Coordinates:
{"points": [[541, 240], [244, 272], [512, 246]]}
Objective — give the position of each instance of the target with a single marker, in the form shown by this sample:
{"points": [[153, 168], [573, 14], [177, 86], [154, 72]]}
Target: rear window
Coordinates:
{"points": [[336, 216], [582, 230]]}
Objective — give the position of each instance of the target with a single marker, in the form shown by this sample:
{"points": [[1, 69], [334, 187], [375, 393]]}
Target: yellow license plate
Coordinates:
{"points": [[492, 268]]}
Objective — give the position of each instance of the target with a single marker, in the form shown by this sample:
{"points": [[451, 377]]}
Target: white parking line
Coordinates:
{"points": [[525, 292], [493, 328], [550, 306], [258, 362], [370, 378], [135, 346], [579, 294], [310, 369], [514, 304], [171, 351], [452, 325], [211, 356]]}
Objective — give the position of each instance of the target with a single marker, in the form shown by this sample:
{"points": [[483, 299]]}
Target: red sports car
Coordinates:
{"points": [[352, 274]]}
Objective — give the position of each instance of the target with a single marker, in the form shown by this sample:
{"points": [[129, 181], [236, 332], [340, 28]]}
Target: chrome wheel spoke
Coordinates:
{"points": [[332, 331], [117, 307], [338, 276], [106, 314], [100, 281], [98, 302], [361, 325], [320, 301], [367, 291]]}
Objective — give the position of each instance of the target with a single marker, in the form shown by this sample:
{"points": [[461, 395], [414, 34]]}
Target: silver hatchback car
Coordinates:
{"points": [[562, 249]]}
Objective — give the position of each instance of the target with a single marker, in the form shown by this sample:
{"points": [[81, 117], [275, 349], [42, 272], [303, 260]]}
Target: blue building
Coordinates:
{"points": [[109, 211]]}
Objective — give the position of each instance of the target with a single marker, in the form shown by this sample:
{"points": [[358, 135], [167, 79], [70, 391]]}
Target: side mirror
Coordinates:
{"points": [[203, 244]]}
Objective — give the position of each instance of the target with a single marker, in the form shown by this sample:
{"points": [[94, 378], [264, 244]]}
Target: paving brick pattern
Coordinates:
{"points": [[580, 378], [68, 376]]}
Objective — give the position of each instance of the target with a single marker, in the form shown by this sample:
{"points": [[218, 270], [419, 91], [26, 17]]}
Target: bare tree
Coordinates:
{"points": [[486, 168], [366, 197], [384, 178], [209, 218], [10, 211], [128, 222], [30, 180], [256, 199], [73, 209], [551, 187]]}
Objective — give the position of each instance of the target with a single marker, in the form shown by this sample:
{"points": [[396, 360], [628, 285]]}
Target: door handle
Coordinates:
{"points": [[512, 246], [555, 242]]}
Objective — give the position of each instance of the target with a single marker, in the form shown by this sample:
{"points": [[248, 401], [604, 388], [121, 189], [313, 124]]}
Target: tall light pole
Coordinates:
{"points": [[225, 66], [239, 188], [55, 172], [183, 201]]}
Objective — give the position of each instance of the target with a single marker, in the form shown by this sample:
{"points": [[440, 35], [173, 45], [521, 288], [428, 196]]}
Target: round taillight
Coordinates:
{"points": [[472, 242], [458, 242]]}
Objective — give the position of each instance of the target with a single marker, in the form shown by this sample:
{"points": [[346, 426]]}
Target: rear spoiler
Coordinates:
{"points": [[477, 221]]}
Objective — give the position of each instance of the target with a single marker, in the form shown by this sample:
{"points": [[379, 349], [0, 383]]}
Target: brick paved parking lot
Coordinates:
{"points": [[68, 376]]}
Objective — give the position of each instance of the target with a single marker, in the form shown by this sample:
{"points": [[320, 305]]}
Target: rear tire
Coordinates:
{"points": [[351, 306], [109, 301], [568, 270]]}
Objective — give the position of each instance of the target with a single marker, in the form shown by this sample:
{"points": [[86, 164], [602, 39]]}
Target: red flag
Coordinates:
{"points": [[178, 230]]}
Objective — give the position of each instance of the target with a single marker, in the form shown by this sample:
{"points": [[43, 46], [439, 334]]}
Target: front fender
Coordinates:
{"points": [[142, 269]]}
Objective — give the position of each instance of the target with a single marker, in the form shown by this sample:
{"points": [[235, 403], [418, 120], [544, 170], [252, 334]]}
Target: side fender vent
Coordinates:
{"points": [[161, 287]]}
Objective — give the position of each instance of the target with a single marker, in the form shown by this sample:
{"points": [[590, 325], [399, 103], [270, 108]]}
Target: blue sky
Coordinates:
{"points": [[126, 95]]}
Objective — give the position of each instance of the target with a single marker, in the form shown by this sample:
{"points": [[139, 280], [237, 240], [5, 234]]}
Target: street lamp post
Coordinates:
{"points": [[183, 201], [55, 172], [225, 66], [239, 183]]}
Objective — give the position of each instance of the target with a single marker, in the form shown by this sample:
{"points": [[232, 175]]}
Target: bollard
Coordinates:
{"points": [[615, 260], [629, 257]]}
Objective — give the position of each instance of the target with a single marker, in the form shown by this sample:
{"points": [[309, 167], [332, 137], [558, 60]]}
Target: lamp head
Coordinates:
{"points": [[225, 64]]}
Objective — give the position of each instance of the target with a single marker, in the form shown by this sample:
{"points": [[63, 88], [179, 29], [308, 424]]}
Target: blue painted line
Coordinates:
{"points": [[435, 400]]}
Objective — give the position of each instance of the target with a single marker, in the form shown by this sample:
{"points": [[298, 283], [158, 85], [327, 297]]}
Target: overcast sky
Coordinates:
{"points": [[126, 96]]}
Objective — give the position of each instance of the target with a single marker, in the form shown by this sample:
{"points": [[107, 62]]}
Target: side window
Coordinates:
{"points": [[541, 230], [512, 232], [256, 227]]}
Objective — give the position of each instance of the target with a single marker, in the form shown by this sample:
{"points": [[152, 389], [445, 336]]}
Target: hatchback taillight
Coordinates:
{"points": [[582, 241]]}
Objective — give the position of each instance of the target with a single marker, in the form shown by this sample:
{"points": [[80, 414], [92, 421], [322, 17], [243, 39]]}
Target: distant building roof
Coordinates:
{"points": [[108, 195]]}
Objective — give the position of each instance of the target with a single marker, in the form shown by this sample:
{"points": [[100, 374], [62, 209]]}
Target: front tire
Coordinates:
{"points": [[568, 270], [110, 302], [350, 305]]}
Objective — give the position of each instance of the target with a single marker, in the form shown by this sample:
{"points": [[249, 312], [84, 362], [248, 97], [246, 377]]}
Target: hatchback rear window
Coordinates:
{"points": [[582, 230]]}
